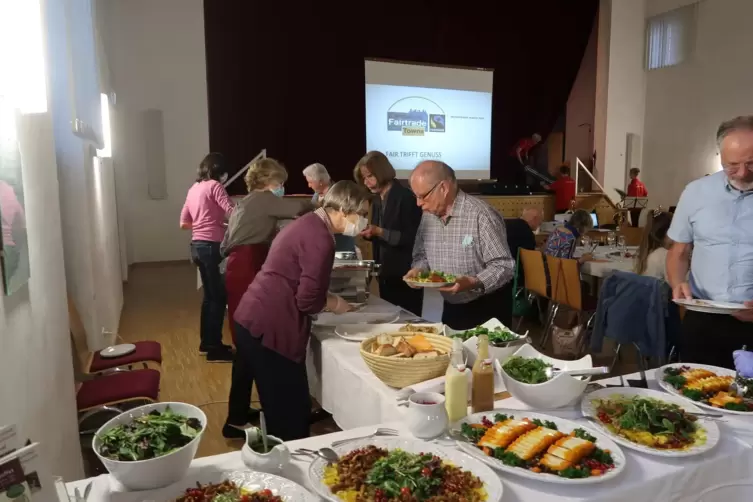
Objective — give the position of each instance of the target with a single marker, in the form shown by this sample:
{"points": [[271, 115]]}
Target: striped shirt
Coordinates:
{"points": [[472, 241]]}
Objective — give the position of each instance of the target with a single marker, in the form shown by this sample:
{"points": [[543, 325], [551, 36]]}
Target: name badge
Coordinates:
{"points": [[467, 241]]}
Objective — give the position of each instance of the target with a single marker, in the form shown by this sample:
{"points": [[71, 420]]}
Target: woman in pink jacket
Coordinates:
{"points": [[204, 213]]}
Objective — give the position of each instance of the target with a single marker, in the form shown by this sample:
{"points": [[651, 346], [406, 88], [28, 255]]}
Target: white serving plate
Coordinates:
{"points": [[716, 369], [361, 332], [471, 345], [710, 307], [367, 315], [712, 430], [250, 480], [560, 391], [566, 426], [459, 459], [428, 285]]}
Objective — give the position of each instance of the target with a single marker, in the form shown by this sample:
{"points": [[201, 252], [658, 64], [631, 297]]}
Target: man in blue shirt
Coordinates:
{"points": [[714, 220]]}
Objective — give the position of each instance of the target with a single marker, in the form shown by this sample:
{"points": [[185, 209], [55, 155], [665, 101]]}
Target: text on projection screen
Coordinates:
{"points": [[416, 113]]}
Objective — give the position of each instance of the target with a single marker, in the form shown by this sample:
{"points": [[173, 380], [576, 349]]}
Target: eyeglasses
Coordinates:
{"points": [[424, 196], [747, 165]]}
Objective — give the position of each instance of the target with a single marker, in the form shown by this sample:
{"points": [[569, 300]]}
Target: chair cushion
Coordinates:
{"points": [[145, 351], [118, 387]]}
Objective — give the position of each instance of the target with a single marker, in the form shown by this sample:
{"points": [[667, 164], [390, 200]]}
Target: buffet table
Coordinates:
{"points": [[728, 468], [342, 383], [604, 264]]}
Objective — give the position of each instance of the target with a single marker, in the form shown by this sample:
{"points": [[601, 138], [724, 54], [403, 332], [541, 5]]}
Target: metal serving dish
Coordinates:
{"points": [[351, 279]]}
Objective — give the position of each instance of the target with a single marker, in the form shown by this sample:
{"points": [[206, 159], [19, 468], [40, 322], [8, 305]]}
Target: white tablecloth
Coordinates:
{"points": [[646, 477], [342, 383], [604, 268]]}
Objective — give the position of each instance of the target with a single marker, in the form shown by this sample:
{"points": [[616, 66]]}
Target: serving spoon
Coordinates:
{"points": [[599, 370], [735, 388]]}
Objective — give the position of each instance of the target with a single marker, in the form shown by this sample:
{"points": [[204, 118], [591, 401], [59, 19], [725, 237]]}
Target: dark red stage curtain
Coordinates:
{"points": [[289, 76]]}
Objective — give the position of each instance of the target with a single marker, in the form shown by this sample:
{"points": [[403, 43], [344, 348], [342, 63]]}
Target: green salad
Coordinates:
{"points": [[498, 335], [149, 436], [526, 370], [433, 276]]}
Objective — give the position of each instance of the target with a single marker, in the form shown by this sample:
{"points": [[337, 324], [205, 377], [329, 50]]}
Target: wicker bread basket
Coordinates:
{"points": [[401, 372]]}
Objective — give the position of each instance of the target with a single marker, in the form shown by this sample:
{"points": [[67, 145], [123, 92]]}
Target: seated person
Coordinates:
{"points": [[652, 253], [520, 231], [563, 240]]}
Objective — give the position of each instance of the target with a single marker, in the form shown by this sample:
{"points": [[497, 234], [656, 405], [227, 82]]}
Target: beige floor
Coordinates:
{"points": [[161, 303]]}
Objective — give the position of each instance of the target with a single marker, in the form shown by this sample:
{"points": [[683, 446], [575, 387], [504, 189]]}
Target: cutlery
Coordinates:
{"points": [[263, 427], [512, 343], [735, 388], [378, 433], [87, 490], [599, 370], [327, 454]]}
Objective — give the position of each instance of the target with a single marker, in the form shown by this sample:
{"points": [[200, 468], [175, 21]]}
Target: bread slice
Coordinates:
{"points": [[405, 348], [385, 350]]}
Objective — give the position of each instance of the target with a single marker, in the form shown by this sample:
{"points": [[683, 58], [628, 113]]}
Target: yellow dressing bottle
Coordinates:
{"points": [[456, 384], [482, 389]]}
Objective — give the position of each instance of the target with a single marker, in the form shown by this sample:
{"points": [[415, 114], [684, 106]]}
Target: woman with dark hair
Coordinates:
{"points": [[273, 320], [652, 253], [395, 217], [206, 208]]}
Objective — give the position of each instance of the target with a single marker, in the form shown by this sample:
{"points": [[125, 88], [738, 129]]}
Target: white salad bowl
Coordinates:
{"points": [[555, 393], [501, 354], [154, 472]]}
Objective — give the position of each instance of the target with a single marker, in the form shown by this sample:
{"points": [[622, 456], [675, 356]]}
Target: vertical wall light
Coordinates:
{"points": [[22, 55], [106, 151]]}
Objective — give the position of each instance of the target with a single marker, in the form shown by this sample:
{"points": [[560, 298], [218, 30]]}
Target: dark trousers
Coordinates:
{"points": [[711, 338], [635, 215], [206, 256], [281, 383], [497, 304], [397, 292]]}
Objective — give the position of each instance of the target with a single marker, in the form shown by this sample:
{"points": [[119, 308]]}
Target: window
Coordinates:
{"points": [[669, 37]]}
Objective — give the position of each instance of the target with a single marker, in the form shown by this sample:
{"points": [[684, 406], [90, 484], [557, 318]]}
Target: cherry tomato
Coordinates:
{"points": [[426, 472], [405, 490]]}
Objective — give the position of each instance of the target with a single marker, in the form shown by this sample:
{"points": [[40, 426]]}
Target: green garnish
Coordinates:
{"points": [[501, 417], [400, 469], [497, 335], [581, 433], [508, 458], [601, 456], [736, 406], [531, 371], [695, 395], [473, 433], [676, 381], [149, 436], [545, 423], [575, 472]]}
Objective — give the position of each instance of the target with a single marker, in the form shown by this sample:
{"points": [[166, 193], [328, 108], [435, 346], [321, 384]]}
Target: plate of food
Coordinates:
{"points": [[361, 332], [650, 421], [706, 386], [541, 447], [431, 279], [239, 486], [383, 469], [710, 307]]}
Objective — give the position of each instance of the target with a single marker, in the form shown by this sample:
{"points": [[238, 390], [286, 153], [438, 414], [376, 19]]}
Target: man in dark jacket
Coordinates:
{"points": [[394, 222], [520, 231]]}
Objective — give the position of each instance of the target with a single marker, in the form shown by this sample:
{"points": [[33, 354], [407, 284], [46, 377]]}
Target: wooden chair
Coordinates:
{"points": [[534, 276], [564, 277]]}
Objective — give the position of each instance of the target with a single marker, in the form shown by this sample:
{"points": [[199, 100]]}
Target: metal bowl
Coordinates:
{"points": [[345, 255]]}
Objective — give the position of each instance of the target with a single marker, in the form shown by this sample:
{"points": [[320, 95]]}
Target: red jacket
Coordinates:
{"points": [[564, 192], [636, 188], [291, 287]]}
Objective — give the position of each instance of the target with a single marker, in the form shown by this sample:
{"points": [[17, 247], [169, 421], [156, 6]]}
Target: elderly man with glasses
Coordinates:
{"points": [[463, 236], [714, 220]]}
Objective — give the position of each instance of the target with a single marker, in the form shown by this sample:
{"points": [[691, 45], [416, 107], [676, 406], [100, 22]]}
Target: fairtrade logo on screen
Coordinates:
{"points": [[415, 116]]}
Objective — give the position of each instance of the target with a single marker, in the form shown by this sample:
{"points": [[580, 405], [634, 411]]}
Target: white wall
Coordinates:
{"points": [[155, 50], [686, 103], [94, 285], [36, 368], [626, 89]]}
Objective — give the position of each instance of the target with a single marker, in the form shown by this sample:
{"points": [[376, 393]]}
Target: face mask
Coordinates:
{"points": [[223, 178], [353, 229], [279, 191]]}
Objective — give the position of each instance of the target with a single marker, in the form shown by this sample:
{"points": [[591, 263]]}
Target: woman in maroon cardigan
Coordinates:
{"points": [[273, 320]]}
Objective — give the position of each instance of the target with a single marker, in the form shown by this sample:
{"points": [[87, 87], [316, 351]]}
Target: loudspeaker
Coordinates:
{"points": [[154, 150]]}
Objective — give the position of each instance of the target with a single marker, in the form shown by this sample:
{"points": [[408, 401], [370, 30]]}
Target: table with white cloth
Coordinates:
{"points": [[342, 383], [605, 263], [728, 467]]}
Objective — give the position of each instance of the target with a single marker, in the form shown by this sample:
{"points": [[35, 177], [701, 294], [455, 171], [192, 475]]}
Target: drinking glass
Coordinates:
{"points": [[611, 238], [621, 245], [586, 241]]}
